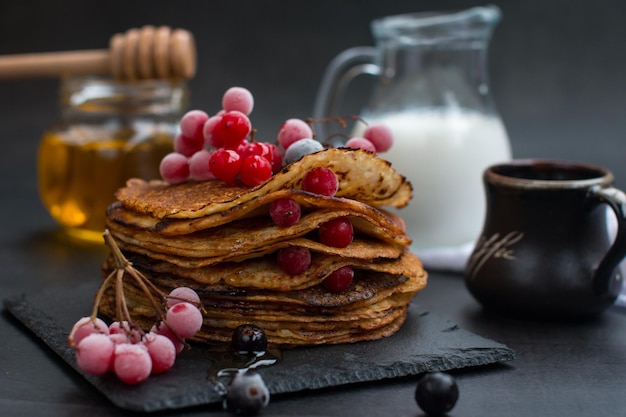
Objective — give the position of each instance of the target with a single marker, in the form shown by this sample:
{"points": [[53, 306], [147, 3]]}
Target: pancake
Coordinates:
{"points": [[263, 272], [359, 248], [362, 177], [371, 306], [221, 241], [245, 235], [258, 206]]}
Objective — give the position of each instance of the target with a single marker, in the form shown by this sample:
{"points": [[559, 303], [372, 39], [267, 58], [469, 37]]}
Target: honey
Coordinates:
{"points": [[109, 132]]}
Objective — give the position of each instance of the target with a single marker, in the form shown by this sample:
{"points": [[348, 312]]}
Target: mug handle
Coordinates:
{"points": [[603, 283], [340, 72]]}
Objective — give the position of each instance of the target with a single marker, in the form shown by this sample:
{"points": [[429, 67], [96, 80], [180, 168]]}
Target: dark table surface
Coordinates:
{"points": [[559, 84], [560, 369]]}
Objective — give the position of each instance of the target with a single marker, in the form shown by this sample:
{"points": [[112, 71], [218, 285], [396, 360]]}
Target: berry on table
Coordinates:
{"points": [[84, 327], [185, 319], [246, 394], [436, 393], [132, 363], [162, 352], [180, 294], [94, 354], [132, 333], [249, 339], [162, 329], [321, 181]]}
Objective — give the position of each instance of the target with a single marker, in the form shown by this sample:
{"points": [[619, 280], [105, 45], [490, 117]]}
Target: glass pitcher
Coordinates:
{"points": [[432, 90]]}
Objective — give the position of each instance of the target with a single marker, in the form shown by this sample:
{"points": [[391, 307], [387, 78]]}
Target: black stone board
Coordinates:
{"points": [[425, 343]]}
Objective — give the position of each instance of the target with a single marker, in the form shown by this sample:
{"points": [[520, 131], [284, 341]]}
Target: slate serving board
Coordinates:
{"points": [[425, 343]]}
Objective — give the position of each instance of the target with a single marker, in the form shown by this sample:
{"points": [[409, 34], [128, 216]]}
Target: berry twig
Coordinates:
{"points": [[339, 119]]}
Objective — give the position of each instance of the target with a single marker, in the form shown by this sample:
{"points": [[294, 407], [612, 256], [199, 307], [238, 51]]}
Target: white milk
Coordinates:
{"points": [[444, 154]]}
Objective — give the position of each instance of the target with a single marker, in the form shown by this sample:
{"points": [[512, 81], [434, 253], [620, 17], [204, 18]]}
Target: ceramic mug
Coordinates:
{"points": [[545, 251]]}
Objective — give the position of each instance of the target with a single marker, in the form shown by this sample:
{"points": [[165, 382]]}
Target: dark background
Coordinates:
{"points": [[557, 67], [557, 70]]}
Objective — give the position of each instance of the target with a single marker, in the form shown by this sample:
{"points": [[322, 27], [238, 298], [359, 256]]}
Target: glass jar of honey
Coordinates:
{"points": [[109, 131]]}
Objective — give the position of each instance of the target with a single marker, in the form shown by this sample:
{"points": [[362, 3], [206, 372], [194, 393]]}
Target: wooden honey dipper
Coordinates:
{"points": [[149, 52]]}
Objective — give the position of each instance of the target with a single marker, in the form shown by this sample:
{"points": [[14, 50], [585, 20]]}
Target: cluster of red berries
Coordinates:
{"points": [[130, 353], [219, 146], [338, 232], [222, 146]]}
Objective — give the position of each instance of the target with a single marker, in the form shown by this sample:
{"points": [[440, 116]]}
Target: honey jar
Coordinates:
{"points": [[108, 131]]}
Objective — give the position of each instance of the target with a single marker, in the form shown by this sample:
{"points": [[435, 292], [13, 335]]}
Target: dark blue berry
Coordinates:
{"points": [[247, 394], [436, 393], [249, 339]]}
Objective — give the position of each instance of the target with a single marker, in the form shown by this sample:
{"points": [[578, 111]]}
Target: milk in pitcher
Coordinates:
{"points": [[443, 153]]}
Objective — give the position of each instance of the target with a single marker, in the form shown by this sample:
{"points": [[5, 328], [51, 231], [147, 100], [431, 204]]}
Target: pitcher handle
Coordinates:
{"points": [[340, 72], [603, 283]]}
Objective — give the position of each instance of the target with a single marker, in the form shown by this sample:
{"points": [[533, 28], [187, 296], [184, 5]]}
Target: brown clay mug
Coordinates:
{"points": [[545, 250]]}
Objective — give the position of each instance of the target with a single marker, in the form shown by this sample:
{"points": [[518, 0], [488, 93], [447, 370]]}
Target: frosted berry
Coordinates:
{"points": [[285, 212], [162, 352], [248, 339], [132, 333], [225, 165], [163, 330], [180, 294], [119, 338], [208, 131], [300, 148], [185, 146], [238, 98], [360, 143], [191, 125], [132, 363], [436, 393], [174, 168], [337, 233], [246, 394], [321, 181], [94, 354], [255, 170], [185, 319], [86, 326], [380, 135], [293, 260], [293, 130], [199, 166]]}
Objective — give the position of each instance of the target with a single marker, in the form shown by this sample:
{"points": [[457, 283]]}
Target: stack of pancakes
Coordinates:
{"points": [[220, 240]]}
